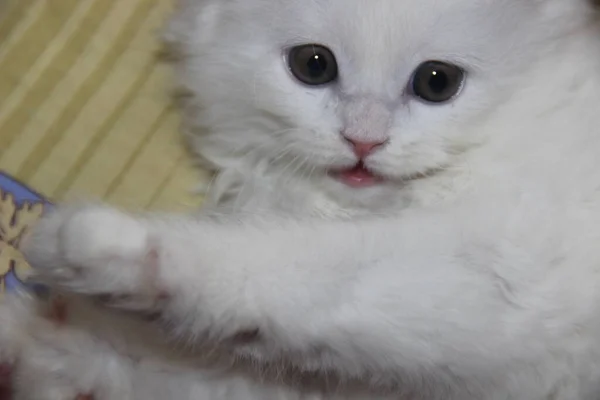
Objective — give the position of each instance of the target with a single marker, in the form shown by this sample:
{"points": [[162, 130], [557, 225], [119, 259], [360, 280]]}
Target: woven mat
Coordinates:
{"points": [[84, 112]]}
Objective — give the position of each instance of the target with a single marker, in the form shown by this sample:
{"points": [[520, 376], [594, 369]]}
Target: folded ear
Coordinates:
{"points": [[192, 23]]}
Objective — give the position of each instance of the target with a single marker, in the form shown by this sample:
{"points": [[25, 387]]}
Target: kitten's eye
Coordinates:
{"points": [[313, 64], [436, 82]]}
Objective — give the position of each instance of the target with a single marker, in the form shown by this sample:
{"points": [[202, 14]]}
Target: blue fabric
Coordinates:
{"points": [[20, 207]]}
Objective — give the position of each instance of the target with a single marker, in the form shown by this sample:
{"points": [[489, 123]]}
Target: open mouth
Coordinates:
{"points": [[358, 176]]}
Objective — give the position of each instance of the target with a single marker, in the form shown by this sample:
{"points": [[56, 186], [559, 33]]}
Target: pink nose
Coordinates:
{"points": [[363, 149]]}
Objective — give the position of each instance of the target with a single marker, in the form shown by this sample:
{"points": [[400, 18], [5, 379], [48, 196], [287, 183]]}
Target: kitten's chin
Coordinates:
{"points": [[359, 190], [381, 197]]}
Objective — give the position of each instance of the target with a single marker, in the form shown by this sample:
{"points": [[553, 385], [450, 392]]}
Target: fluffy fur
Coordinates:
{"points": [[472, 272]]}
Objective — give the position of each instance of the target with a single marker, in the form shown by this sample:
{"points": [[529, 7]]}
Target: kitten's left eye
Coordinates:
{"points": [[437, 82], [313, 64]]}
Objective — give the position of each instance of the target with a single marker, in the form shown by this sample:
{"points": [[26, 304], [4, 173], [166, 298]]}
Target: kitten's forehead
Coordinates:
{"points": [[399, 24]]}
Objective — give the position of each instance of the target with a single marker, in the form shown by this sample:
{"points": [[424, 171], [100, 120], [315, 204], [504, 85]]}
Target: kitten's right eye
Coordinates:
{"points": [[313, 64]]}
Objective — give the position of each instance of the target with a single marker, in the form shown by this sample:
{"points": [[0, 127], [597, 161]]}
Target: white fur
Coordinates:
{"points": [[478, 280]]}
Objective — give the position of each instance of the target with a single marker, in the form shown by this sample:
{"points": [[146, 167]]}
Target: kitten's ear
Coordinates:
{"points": [[192, 23]]}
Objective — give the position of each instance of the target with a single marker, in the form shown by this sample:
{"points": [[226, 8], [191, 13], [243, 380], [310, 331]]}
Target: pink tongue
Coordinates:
{"points": [[357, 177]]}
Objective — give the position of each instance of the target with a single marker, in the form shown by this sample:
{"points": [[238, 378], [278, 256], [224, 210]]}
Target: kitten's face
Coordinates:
{"points": [[266, 98]]}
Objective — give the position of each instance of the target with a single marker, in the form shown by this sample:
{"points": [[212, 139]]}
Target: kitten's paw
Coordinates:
{"points": [[70, 365], [95, 250]]}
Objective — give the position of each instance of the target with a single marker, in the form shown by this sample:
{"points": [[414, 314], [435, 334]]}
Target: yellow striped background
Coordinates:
{"points": [[84, 105]]}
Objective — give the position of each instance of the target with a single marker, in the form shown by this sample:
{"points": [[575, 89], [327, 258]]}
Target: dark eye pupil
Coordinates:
{"points": [[438, 81], [316, 65], [312, 64]]}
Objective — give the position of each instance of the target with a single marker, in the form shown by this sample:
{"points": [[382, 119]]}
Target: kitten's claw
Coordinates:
{"points": [[96, 251]]}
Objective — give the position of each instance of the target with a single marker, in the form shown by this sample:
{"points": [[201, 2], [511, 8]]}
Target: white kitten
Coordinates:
{"points": [[453, 148]]}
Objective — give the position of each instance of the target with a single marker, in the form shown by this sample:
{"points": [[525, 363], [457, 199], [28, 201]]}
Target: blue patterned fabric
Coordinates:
{"points": [[20, 208]]}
